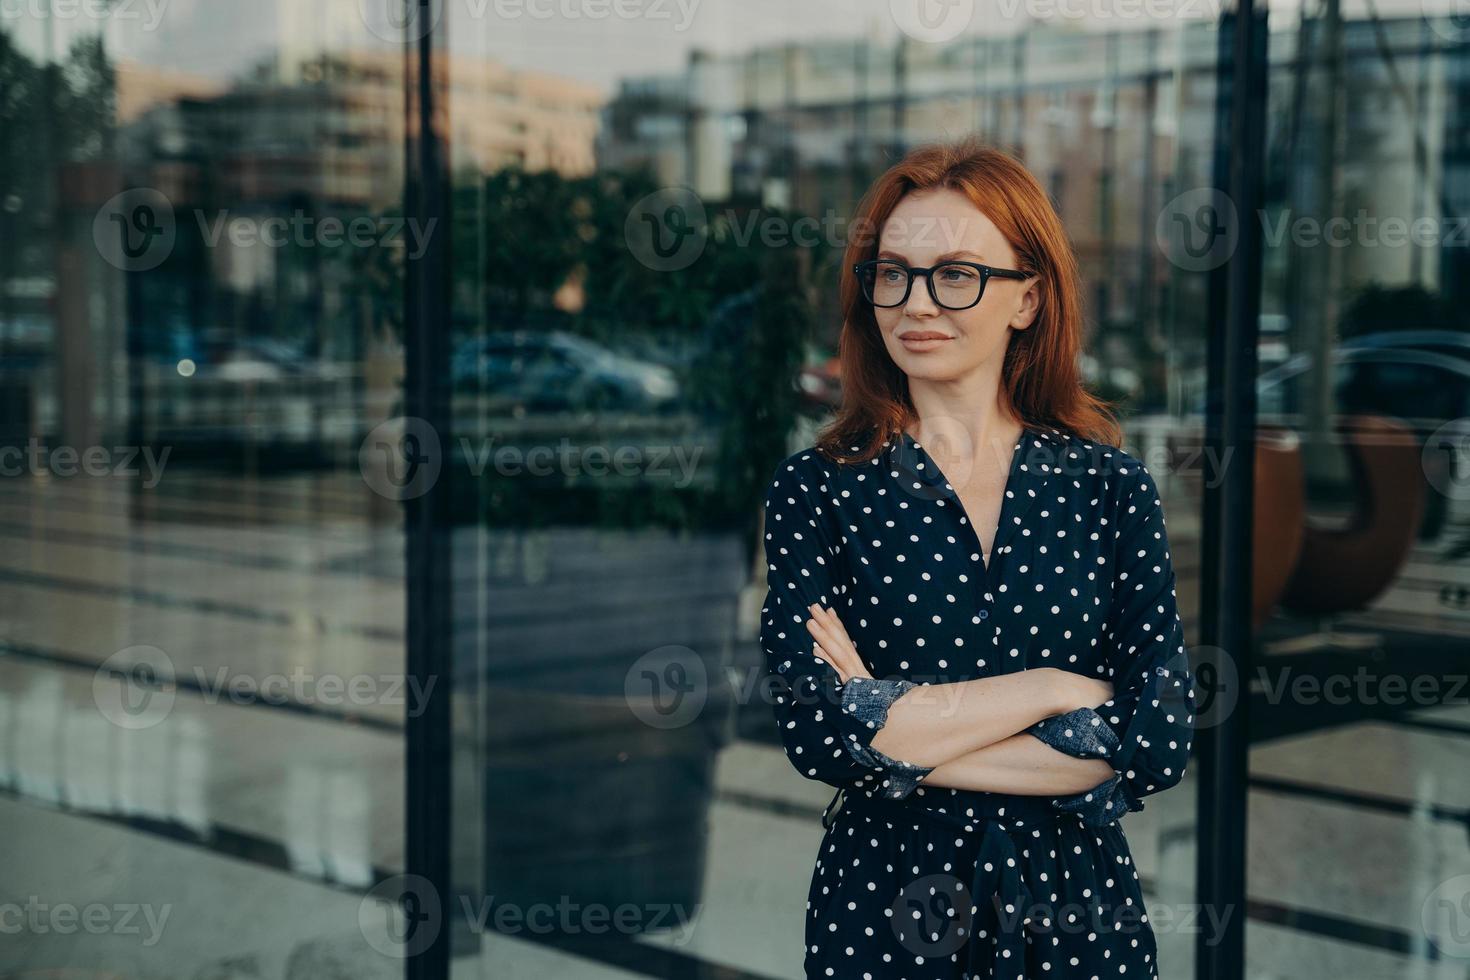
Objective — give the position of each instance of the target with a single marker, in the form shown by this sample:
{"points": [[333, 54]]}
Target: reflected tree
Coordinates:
{"points": [[544, 252]]}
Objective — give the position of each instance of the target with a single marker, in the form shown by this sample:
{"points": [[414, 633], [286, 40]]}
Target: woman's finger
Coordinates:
{"points": [[838, 646], [823, 638], [838, 631], [860, 666], [827, 630], [832, 644], [838, 628], [819, 629], [842, 673]]}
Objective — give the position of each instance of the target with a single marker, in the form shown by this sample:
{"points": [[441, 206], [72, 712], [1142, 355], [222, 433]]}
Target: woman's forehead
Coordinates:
{"points": [[940, 222]]}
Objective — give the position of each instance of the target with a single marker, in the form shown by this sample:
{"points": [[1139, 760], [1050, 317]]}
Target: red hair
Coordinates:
{"points": [[1040, 377]]}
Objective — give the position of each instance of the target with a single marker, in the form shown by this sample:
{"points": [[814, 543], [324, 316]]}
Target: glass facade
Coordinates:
{"points": [[1359, 704], [389, 393], [202, 691]]}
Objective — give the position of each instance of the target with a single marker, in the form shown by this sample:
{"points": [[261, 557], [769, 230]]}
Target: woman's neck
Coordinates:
{"points": [[959, 413]]}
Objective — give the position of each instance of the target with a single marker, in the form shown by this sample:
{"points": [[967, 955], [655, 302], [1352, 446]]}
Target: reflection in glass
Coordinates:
{"points": [[614, 744], [201, 244]]}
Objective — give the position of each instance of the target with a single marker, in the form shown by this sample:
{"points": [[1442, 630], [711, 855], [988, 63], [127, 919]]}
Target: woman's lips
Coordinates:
{"points": [[922, 340]]}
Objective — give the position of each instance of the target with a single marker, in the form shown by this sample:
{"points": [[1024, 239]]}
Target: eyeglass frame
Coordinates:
{"points": [[987, 272]]}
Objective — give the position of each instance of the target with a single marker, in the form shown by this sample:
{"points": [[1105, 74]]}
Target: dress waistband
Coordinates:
{"points": [[999, 902], [959, 809]]}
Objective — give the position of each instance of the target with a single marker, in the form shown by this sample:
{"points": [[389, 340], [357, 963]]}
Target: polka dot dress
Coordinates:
{"points": [[942, 883]]}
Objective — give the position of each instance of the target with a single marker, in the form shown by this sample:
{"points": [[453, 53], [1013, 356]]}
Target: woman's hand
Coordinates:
{"points": [[1076, 691], [833, 645]]}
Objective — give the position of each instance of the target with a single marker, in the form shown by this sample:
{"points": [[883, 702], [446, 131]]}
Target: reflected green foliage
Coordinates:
{"points": [[50, 114], [1131, 366], [1378, 308], [731, 328]]}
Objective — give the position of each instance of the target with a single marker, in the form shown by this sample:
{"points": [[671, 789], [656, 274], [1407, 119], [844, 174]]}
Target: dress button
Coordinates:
{"points": [[984, 614]]}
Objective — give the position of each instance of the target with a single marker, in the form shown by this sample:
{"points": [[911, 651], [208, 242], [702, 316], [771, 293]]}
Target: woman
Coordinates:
{"points": [[972, 604]]}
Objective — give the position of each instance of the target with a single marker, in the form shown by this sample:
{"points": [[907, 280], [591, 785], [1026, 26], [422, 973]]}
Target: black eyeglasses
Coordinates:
{"points": [[952, 285]]}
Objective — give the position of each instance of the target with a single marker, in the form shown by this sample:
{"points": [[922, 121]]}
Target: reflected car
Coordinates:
{"points": [[1447, 342], [219, 391], [557, 371], [1424, 389], [820, 384]]}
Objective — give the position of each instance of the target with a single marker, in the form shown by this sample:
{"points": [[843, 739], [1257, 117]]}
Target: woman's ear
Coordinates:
{"points": [[1029, 306]]}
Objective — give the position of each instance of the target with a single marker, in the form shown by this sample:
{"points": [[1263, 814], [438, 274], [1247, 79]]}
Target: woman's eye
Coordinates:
{"points": [[957, 274]]}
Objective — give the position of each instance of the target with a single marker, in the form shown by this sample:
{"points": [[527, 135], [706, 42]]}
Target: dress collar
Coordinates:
{"points": [[1038, 453]]}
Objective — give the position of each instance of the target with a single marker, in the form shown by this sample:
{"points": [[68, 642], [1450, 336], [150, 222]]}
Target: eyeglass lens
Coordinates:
{"points": [[955, 286]]}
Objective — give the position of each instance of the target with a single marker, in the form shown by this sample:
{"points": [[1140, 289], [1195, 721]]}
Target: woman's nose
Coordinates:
{"points": [[920, 303]]}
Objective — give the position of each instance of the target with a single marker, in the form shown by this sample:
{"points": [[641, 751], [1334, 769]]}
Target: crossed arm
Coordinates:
{"points": [[1039, 732], [972, 734]]}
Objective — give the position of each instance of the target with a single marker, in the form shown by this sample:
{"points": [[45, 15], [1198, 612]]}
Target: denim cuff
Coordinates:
{"points": [[1081, 733], [1101, 805], [899, 778], [867, 700]]}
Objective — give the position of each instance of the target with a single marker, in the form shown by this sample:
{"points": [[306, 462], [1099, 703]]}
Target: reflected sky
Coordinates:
{"points": [[223, 40]]}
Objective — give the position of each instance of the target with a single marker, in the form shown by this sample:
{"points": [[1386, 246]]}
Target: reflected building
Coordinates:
{"points": [[1115, 124], [615, 425], [1096, 116], [305, 143]]}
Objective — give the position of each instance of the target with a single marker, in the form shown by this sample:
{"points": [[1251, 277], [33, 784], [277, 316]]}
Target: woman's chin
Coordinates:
{"points": [[918, 367]]}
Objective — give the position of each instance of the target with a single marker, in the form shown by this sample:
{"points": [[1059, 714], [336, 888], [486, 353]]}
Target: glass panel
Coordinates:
{"points": [[1359, 714], [201, 658], [649, 217]]}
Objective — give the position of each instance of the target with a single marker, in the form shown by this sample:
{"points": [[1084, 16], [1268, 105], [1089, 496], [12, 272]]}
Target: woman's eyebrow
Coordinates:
{"points": [[946, 257]]}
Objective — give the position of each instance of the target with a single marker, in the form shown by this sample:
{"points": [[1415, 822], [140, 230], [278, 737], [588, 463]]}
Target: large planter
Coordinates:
{"points": [[605, 703]]}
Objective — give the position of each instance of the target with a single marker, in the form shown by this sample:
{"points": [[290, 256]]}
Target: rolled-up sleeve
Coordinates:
{"points": [[827, 727], [1145, 732]]}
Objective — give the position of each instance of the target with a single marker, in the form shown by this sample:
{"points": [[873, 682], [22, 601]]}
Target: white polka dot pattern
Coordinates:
{"points": [[1079, 578]]}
